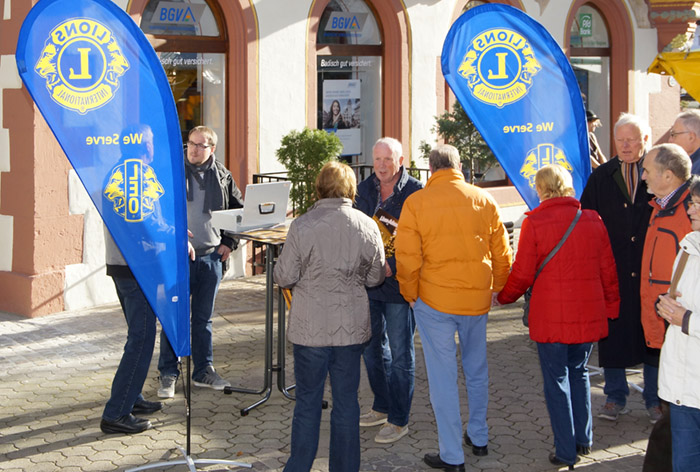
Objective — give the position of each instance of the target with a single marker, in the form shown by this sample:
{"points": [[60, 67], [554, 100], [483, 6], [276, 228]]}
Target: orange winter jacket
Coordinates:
{"points": [[666, 229], [451, 247]]}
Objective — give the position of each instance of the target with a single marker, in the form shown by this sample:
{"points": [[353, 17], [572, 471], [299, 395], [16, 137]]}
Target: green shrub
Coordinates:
{"points": [[304, 153]]}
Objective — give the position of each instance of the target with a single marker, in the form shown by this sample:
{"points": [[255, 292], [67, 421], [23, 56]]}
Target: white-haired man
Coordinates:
{"points": [[390, 355]]}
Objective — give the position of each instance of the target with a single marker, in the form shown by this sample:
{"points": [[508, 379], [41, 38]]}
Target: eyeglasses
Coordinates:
{"points": [[673, 134], [201, 147], [694, 205]]}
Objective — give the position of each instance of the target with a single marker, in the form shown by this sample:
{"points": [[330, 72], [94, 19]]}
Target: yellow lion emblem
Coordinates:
{"points": [[541, 156], [499, 66], [133, 189], [82, 63]]}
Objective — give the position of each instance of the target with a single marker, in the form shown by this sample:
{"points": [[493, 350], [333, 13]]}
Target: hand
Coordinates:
{"points": [[413, 304], [494, 299], [190, 247], [225, 251], [671, 310], [387, 270]]}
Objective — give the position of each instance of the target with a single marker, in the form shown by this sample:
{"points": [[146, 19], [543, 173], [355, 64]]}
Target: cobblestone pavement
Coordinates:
{"points": [[57, 371]]}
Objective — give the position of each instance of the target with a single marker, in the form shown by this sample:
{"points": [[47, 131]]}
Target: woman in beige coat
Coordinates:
{"points": [[331, 254]]}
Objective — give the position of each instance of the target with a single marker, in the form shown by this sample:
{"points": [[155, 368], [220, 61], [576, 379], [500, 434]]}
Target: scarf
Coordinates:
{"points": [[207, 177]]}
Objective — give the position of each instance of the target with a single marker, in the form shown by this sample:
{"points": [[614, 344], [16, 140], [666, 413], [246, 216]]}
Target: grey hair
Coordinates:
{"points": [[444, 157], [674, 158], [637, 122], [691, 120]]}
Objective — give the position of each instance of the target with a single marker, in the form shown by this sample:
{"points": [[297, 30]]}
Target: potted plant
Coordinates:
{"points": [[304, 153]]}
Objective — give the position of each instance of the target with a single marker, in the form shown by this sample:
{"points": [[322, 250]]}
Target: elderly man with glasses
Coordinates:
{"points": [[210, 187], [686, 133]]}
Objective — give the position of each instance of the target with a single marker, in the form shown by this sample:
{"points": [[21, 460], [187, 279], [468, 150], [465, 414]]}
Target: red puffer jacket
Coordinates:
{"points": [[577, 290]]}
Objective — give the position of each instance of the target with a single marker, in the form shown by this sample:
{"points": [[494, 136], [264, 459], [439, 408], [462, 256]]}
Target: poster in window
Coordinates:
{"points": [[341, 113]]}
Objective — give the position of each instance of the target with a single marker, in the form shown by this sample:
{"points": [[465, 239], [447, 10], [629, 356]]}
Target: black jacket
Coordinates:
{"points": [[627, 223]]}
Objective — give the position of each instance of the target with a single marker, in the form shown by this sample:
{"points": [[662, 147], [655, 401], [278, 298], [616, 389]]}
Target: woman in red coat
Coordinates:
{"points": [[572, 299]]}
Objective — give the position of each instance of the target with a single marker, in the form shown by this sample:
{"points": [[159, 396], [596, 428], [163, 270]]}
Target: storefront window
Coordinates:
{"points": [[590, 58], [349, 101], [190, 50], [349, 65], [198, 84]]}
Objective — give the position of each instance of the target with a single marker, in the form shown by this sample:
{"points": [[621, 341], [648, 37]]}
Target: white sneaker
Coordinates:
{"points": [[167, 386], [390, 433], [373, 418]]}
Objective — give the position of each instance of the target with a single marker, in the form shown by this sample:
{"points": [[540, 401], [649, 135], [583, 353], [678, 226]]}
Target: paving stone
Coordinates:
{"points": [[59, 370]]}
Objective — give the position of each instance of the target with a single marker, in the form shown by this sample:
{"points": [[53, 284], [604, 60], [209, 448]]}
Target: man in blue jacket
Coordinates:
{"points": [[390, 355]]}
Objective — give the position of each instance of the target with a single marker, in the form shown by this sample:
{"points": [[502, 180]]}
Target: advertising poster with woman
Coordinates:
{"points": [[341, 113]]}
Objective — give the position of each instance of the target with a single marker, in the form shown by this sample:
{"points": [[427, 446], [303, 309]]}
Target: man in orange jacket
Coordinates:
{"points": [[452, 257], [667, 174]]}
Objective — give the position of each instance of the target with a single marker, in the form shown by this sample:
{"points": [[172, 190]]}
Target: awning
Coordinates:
{"points": [[683, 66]]}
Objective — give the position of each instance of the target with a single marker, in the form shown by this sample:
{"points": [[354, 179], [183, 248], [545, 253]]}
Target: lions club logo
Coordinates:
{"points": [[81, 62], [541, 156], [499, 66], [133, 189]]}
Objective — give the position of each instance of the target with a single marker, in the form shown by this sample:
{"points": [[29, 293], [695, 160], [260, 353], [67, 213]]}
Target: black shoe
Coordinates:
{"points": [[476, 450], [556, 461], [144, 407], [127, 424], [434, 461], [583, 450]]}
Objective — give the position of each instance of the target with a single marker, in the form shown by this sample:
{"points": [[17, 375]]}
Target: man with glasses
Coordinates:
{"points": [[618, 193], [210, 187], [686, 133]]}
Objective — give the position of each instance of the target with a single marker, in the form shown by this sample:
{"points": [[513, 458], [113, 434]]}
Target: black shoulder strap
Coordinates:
{"points": [[558, 246]]}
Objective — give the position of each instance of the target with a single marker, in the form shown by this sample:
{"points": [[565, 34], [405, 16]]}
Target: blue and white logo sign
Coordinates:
{"points": [[177, 13], [346, 21]]}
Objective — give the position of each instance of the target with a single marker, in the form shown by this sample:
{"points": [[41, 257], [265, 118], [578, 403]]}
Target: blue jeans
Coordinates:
{"points": [[138, 350], [391, 360], [437, 332], [617, 390], [685, 437], [567, 392], [205, 276], [311, 367]]}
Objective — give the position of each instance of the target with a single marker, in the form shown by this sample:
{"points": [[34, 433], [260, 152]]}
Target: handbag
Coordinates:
{"points": [[528, 292]]}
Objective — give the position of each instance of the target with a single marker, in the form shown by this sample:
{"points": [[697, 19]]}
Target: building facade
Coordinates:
{"points": [[256, 69]]}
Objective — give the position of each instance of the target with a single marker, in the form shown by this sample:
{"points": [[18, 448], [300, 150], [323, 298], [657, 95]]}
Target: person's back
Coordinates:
{"points": [[569, 304], [452, 256], [330, 254], [336, 244], [573, 295], [459, 229]]}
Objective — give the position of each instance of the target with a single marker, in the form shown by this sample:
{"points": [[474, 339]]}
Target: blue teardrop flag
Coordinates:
{"points": [[103, 92], [519, 89]]}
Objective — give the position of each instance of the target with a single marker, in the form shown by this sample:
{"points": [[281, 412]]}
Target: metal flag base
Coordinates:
{"points": [[187, 458]]}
